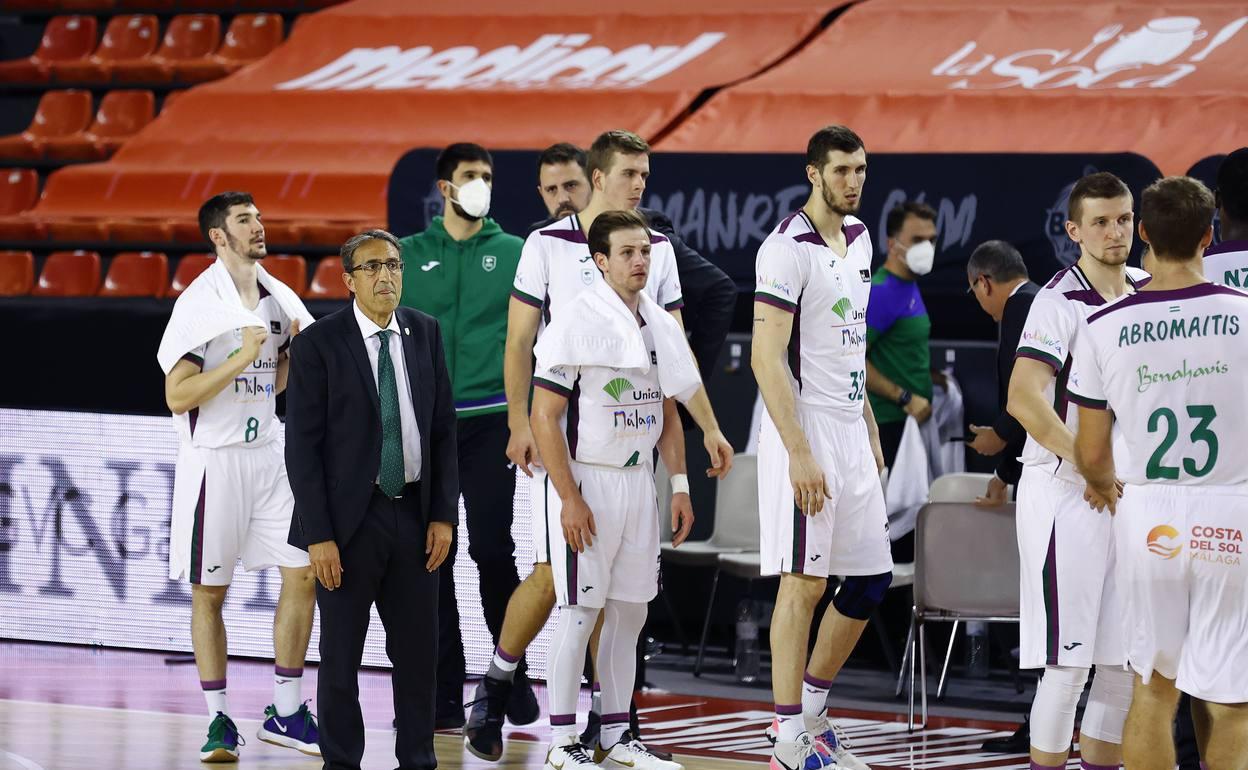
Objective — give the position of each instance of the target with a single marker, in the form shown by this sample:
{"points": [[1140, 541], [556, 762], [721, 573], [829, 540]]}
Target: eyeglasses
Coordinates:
{"points": [[395, 266], [971, 289]]}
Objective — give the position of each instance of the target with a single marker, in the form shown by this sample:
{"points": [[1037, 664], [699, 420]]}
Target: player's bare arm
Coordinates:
{"points": [[186, 387], [717, 446], [577, 520], [772, 329], [917, 407], [1028, 404], [873, 433], [673, 453], [522, 323], [1094, 457]]}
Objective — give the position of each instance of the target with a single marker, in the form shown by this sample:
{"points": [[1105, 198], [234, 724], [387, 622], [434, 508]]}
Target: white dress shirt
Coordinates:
{"points": [[407, 413]]}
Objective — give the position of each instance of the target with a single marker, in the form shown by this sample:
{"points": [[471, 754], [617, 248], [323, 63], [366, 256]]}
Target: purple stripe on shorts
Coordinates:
{"points": [[562, 720], [614, 719], [293, 672], [788, 711], [500, 652], [814, 681], [215, 684], [1053, 626]]}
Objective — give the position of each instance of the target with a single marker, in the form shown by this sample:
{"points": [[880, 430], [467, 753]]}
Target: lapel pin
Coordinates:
{"points": [[407, 331]]}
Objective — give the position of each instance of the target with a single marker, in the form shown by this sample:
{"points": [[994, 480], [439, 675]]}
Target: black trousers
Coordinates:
{"points": [[488, 485], [384, 563], [890, 439]]}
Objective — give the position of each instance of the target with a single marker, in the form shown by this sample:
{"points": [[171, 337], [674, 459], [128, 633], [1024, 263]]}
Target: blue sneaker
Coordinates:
{"points": [[223, 741], [297, 731]]}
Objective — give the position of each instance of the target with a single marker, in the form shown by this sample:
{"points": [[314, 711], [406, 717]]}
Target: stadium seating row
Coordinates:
{"points": [[146, 274], [161, 6], [192, 50], [63, 128]]}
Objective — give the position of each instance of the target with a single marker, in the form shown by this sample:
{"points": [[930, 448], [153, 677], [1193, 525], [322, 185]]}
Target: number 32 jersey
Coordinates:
{"points": [[1171, 365], [827, 294]]}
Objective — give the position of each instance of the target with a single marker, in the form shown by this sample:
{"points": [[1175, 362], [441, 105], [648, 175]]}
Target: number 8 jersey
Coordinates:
{"points": [[1171, 365]]}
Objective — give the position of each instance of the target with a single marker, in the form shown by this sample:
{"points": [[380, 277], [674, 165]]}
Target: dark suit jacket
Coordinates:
{"points": [[1011, 328], [333, 426], [710, 295]]}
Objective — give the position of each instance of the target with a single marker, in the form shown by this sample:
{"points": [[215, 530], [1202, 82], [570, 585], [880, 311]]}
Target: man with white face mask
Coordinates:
{"points": [[460, 271], [899, 377]]}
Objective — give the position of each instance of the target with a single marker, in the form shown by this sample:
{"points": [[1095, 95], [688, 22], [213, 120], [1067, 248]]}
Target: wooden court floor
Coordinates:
{"points": [[67, 708]]}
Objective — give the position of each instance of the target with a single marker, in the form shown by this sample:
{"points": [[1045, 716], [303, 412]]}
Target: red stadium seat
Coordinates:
{"points": [[121, 115], [137, 274], [251, 36], [290, 269], [17, 273], [69, 274], [283, 232], [140, 230], [127, 40], [60, 113], [189, 38], [327, 280], [19, 189], [189, 268], [65, 39], [22, 228], [43, 6], [332, 233], [76, 229]]}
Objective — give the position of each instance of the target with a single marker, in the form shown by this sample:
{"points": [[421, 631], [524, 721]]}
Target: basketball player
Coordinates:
{"points": [[555, 266], [1227, 262], [1169, 362], [599, 496], [821, 507], [1071, 606], [231, 498]]}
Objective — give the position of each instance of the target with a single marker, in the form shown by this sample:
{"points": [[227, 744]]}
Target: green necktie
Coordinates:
{"points": [[392, 476]]}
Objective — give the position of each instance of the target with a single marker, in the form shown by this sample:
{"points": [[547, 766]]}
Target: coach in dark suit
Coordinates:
{"points": [[370, 452], [999, 281]]}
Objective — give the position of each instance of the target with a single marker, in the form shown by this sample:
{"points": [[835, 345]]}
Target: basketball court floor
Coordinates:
{"points": [[64, 708]]}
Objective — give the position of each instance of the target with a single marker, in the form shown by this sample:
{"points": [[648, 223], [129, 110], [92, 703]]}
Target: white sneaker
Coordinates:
{"points": [[802, 754], [569, 756], [632, 753], [833, 741]]}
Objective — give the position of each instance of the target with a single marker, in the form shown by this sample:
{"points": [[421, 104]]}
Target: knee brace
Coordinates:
{"points": [[1108, 702], [860, 594], [1053, 710]]}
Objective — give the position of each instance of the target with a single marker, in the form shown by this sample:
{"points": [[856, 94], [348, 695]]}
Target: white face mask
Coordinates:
{"points": [[920, 256], [474, 198]]}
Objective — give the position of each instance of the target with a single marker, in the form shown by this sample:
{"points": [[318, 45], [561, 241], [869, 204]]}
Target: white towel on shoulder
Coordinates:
{"points": [[210, 307], [598, 329]]}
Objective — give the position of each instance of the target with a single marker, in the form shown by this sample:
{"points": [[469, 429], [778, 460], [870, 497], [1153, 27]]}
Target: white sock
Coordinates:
{"points": [[564, 663], [814, 699], [790, 723], [287, 690], [502, 666], [214, 695]]}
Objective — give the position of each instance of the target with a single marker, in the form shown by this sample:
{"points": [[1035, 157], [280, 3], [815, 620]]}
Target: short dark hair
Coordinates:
{"points": [[347, 252], [1176, 212], [1102, 184], [1232, 182], [998, 260], [602, 151], [896, 218], [558, 154], [609, 222], [215, 210], [450, 158], [830, 138]]}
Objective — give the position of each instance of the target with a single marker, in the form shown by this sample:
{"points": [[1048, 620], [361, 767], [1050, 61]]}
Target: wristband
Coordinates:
{"points": [[680, 484], [904, 398]]}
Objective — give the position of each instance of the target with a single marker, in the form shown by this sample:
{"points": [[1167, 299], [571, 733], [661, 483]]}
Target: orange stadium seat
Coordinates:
{"points": [[19, 189], [283, 232], [332, 233], [17, 273], [140, 230], [251, 36], [65, 39], [189, 268], [327, 280], [127, 40], [60, 113], [290, 269], [69, 274], [76, 229], [137, 274], [121, 115], [189, 38]]}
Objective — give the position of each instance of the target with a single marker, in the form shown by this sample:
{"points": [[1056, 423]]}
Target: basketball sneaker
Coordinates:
{"points": [[483, 732], [570, 755], [830, 739], [801, 754], [297, 731], [223, 741], [632, 753]]}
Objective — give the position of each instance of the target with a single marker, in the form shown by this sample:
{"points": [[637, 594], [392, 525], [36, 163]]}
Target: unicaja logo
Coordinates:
{"points": [[615, 388], [1163, 541], [551, 61], [1158, 54]]}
